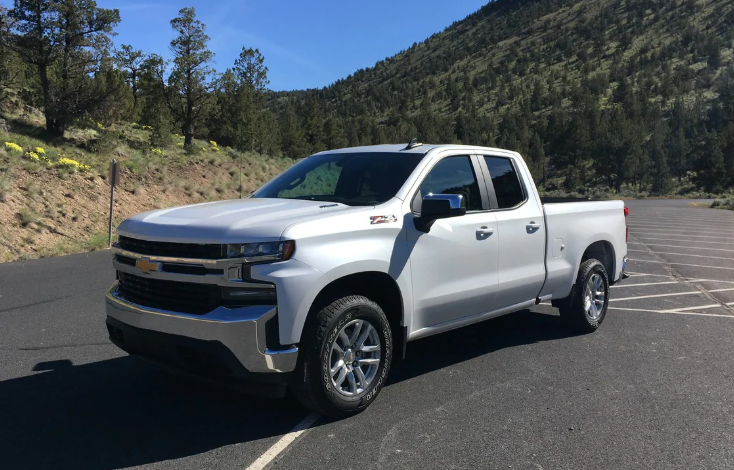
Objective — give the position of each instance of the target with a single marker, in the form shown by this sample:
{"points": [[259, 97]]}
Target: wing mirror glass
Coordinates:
{"points": [[439, 206]]}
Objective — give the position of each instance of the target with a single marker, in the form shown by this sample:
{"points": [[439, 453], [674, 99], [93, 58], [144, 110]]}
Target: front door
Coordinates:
{"points": [[454, 266]]}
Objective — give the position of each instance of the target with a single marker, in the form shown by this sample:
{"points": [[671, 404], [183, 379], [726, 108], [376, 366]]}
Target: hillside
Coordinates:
{"points": [[611, 93], [54, 197], [610, 98]]}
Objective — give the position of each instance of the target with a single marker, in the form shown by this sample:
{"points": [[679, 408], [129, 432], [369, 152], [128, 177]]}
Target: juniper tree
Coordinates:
{"points": [[64, 40], [187, 92]]}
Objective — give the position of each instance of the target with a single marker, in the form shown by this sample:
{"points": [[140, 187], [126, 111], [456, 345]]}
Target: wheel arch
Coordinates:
{"points": [[377, 286], [602, 251]]}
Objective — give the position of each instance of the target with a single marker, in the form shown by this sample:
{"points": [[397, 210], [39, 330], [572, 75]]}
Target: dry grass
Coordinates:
{"points": [[47, 210]]}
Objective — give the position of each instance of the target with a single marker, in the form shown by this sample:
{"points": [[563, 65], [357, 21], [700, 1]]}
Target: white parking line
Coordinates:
{"points": [[679, 240], [709, 280], [673, 313], [667, 220], [722, 290], [679, 246], [657, 295], [658, 232], [283, 443], [636, 274], [685, 254], [685, 230], [694, 225], [682, 264], [646, 284], [702, 307]]}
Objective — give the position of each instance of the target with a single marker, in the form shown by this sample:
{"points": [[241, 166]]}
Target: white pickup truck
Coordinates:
{"points": [[319, 278]]}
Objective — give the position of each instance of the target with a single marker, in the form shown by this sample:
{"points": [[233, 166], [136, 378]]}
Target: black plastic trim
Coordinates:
{"points": [[210, 361]]}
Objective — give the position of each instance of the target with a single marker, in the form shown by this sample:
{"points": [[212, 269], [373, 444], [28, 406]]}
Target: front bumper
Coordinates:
{"points": [[227, 343]]}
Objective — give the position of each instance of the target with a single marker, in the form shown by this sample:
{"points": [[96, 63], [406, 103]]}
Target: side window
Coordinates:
{"points": [[452, 175], [507, 186]]}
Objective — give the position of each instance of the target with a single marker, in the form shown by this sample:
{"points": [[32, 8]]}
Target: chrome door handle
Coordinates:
{"points": [[532, 226], [485, 231]]}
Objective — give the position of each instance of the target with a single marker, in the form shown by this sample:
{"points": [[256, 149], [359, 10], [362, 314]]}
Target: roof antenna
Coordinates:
{"points": [[413, 144]]}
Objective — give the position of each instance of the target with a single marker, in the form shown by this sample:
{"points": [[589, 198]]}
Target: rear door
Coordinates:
{"points": [[521, 230], [454, 265]]}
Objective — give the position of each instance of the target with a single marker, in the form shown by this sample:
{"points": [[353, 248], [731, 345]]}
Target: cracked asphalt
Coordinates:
{"points": [[653, 388]]}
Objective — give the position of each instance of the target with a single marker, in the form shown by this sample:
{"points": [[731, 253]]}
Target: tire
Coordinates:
{"points": [[577, 310], [313, 383]]}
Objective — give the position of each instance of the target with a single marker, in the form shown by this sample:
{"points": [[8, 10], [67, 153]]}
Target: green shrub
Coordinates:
{"points": [[27, 217]]}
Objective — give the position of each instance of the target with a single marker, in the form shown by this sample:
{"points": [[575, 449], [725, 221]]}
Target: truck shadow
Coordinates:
{"points": [[123, 412], [463, 344]]}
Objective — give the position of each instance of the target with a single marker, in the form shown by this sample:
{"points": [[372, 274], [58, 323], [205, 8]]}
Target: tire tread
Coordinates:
{"points": [[305, 387]]}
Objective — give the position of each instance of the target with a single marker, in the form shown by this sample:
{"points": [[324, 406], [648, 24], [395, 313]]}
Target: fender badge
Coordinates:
{"points": [[382, 219]]}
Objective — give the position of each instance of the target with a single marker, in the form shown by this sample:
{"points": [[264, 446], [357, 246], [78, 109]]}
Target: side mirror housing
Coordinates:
{"points": [[439, 206]]}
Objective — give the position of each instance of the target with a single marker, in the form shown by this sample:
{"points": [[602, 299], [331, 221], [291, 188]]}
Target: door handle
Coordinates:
{"points": [[532, 226], [485, 231]]}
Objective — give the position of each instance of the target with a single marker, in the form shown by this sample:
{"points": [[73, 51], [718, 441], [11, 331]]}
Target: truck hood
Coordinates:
{"points": [[234, 221]]}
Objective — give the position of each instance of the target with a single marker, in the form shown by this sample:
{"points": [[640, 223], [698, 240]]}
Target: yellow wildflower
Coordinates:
{"points": [[84, 167], [100, 126], [212, 143], [13, 146], [157, 151], [33, 156], [68, 162], [39, 150]]}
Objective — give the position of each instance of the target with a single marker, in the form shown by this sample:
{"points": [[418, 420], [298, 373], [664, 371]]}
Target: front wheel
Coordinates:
{"points": [[345, 357], [587, 305]]}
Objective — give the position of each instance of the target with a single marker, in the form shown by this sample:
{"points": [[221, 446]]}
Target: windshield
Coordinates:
{"points": [[354, 179]]}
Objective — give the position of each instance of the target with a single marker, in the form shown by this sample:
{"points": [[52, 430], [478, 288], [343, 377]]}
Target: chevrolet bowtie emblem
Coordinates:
{"points": [[147, 266]]}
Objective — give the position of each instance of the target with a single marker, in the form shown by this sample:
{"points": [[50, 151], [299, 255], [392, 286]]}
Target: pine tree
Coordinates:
{"points": [[131, 60], [293, 140], [187, 93], [62, 40], [333, 134], [711, 174], [251, 75], [314, 129], [658, 150]]}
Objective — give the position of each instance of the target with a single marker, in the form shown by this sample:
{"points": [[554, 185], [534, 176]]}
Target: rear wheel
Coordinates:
{"points": [[345, 357], [584, 310]]}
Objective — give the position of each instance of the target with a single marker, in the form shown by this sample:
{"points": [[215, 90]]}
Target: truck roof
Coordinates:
{"points": [[400, 148]]}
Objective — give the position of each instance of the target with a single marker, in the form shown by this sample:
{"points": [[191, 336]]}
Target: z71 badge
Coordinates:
{"points": [[382, 219]]}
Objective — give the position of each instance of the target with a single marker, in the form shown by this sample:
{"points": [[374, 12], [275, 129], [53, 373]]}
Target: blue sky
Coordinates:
{"points": [[306, 44]]}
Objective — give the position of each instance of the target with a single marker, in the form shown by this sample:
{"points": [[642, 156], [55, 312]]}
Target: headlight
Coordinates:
{"points": [[260, 252]]}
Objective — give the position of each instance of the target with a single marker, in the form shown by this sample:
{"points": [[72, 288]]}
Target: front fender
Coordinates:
{"points": [[298, 284]]}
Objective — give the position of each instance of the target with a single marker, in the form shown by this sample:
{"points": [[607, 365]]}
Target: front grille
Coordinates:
{"points": [[173, 250], [184, 297]]}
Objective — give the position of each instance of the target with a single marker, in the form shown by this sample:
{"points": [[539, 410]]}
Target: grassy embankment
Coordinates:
{"points": [[54, 197]]}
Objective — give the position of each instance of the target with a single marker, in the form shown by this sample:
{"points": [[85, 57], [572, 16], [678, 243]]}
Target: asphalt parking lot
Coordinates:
{"points": [[653, 388]]}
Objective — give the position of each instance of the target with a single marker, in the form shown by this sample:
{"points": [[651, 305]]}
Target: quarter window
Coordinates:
{"points": [[452, 175], [507, 186]]}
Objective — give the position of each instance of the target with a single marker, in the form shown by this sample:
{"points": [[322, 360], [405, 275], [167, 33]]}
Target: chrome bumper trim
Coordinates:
{"points": [[241, 330]]}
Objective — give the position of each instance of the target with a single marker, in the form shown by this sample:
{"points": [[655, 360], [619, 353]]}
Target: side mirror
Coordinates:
{"points": [[439, 206]]}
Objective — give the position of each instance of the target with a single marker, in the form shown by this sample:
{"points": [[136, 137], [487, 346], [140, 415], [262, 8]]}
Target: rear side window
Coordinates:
{"points": [[507, 186], [452, 175]]}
